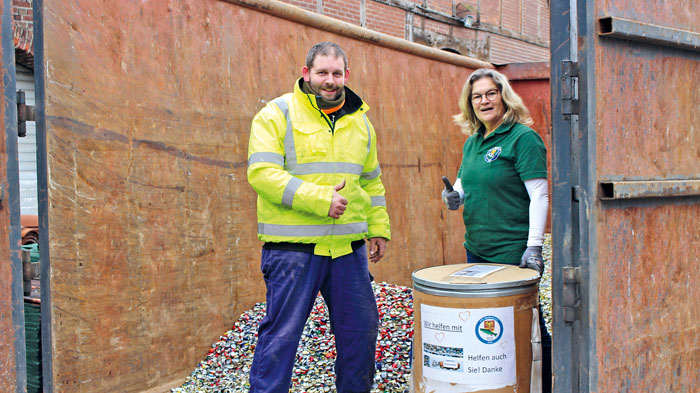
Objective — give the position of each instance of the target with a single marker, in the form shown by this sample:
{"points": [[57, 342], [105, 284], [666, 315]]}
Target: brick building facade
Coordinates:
{"points": [[497, 31]]}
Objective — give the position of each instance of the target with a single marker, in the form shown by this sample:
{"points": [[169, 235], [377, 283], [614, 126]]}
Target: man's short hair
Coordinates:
{"points": [[325, 49]]}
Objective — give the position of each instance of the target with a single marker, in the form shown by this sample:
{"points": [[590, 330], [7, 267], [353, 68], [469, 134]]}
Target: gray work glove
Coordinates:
{"points": [[532, 259], [449, 195]]}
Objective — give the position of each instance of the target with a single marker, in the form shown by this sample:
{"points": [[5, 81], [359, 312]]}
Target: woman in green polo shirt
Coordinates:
{"points": [[502, 182]]}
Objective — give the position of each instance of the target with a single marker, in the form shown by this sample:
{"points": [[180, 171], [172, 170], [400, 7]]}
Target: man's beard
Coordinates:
{"points": [[319, 92]]}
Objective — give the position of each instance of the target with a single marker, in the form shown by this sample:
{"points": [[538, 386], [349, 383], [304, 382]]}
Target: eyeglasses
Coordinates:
{"points": [[490, 95]]}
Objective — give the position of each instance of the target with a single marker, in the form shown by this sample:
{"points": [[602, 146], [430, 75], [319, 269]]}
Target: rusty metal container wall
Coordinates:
{"points": [[147, 207], [648, 310], [647, 128], [152, 245]]}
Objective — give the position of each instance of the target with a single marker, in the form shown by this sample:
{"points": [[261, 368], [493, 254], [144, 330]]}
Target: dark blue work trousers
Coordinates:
{"points": [[545, 337], [293, 280]]}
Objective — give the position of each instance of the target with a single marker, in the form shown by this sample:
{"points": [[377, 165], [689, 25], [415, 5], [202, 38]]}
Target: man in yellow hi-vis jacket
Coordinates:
{"points": [[312, 159]]}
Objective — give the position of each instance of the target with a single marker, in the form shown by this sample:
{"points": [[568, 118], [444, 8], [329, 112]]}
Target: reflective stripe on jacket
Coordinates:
{"points": [[296, 155]]}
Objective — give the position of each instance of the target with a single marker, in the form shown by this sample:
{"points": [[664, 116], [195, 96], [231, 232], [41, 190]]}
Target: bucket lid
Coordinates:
{"points": [[474, 277]]}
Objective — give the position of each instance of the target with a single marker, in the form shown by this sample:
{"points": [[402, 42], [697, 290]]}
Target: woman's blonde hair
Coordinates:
{"points": [[515, 110]]}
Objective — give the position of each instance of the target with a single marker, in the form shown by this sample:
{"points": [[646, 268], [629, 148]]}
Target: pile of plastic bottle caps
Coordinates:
{"points": [[225, 369]]}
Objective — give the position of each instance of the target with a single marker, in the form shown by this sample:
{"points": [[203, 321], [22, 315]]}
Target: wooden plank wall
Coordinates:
{"points": [[152, 223]]}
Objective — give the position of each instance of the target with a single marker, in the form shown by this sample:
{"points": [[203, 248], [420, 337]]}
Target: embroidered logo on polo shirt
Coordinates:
{"points": [[492, 154]]}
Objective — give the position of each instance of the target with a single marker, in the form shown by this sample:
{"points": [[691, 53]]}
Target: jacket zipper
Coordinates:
{"points": [[330, 120], [332, 124]]}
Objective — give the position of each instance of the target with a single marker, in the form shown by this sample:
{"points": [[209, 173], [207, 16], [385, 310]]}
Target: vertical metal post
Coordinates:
{"points": [[563, 44], [363, 13], [573, 196], [586, 210], [42, 194], [11, 200]]}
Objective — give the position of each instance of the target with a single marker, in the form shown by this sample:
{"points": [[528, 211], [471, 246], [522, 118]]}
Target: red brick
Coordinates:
{"points": [[511, 15], [386, 19], [508, 50], [490, 12], [443, 6]]}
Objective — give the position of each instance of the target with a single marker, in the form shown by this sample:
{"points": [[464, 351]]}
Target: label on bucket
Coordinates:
{"points": [[469, 346], [477, 271]]}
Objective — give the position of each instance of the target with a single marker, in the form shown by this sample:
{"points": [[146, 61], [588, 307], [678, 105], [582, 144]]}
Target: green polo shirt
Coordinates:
{"points": [[496, 203]]}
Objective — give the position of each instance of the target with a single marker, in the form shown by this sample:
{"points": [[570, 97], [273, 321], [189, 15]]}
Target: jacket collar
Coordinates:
{"points": [[353, 102]]}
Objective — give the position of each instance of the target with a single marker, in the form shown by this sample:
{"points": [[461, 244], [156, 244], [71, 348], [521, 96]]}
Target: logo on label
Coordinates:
{"points": [[492, 154], [489, 330]]}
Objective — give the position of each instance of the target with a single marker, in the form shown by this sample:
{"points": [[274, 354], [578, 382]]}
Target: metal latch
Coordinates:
{"points": [[569, 88], [572, 300], [25, 113]]}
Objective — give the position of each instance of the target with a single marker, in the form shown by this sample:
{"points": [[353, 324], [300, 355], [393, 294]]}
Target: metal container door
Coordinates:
{"points": [[13, 370], [626, 195]]}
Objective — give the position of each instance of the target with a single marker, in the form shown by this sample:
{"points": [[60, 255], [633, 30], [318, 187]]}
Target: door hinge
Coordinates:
{"points": [[572, 299], [576, 193], [25, 113], [569, 88]]}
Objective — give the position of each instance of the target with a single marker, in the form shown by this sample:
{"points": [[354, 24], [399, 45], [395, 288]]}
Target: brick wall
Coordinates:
{"points": [[490, 12], [444, 6], [511, 15], [346, 10], [505, 50], [502, 31], [22, 33], [309, 5], [386, 19], [536, 19]]}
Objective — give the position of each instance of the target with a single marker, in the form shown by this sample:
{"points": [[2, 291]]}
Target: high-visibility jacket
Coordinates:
{"points": [[297, 155]]}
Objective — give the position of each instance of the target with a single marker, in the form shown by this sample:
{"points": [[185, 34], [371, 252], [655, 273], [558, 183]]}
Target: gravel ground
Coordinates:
{"points": [[546, 282], [225, 369]]}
